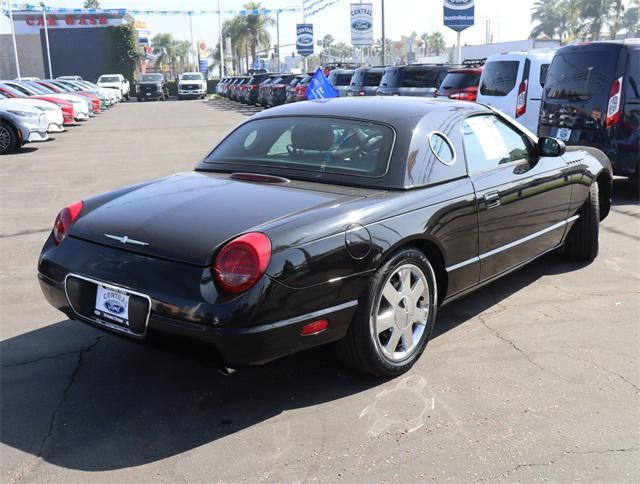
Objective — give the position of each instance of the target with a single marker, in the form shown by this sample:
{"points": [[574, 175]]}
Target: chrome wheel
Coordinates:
{"points": [[5, 138], [401, 312]]}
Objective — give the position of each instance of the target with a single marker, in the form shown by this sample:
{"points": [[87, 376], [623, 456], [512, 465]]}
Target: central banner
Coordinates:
{"points": [[304, 39], [362, 24]]}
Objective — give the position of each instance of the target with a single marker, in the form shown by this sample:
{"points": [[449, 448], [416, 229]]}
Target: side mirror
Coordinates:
{"points": [[551, 147]]}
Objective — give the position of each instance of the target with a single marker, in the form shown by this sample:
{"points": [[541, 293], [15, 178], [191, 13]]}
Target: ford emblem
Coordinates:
{"points": [[114, 306], [361, 25]]}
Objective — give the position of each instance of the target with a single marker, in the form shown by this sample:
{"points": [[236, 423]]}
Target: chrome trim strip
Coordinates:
{"points": [[106, 324], [126, 240], [299, 319], [513, 244]]}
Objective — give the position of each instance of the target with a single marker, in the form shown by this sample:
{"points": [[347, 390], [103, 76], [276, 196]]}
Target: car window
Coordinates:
{"points": [[489, 142], [460, 79], [580, 75], [499, 78], [322, 145], [429, 78], [192, 77], [544, 68]]}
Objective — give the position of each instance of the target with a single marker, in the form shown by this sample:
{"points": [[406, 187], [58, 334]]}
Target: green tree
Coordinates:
{"points": [[631, 19], [164, 47], [377, 49], [437, 43], [183, 48], [340, 51], [424, 42], [257, 26], [235, 30], [595, 14], [91, 4], [546, 13]]}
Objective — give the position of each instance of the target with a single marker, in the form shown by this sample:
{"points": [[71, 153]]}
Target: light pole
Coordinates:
{"points": [[384, 40], [196, 54], [221, 47], [46, 37], [278, 37], [13, 35]]}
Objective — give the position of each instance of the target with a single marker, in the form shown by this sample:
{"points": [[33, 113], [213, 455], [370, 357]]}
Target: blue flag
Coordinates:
{"points": [[319, 87]]}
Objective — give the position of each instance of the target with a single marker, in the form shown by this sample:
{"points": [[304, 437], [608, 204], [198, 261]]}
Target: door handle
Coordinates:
{"points": [[492, 200]]}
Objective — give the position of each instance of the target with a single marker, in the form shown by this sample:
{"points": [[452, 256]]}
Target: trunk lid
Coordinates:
{"points": [[186, 217]]}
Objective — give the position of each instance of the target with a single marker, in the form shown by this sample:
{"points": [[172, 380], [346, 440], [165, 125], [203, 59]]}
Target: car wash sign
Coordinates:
{"points": [[362, 24], [458, 14], [304, 39]]}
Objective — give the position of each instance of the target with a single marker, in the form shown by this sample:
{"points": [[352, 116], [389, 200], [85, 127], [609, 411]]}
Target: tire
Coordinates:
{"points": [[377, 344], [8, 138], [583, 238]]}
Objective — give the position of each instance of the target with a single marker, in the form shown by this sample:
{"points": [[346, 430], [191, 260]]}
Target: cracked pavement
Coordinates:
{"points": [[535, 377]]}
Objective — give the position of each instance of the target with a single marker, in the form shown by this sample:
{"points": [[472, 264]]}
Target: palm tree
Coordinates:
{"points": [[235, 29], [546, 13], [92, 4], [183, 47], [164, 47], [424, 38], [631, 19], [256, 26], [595, 13], [377, 48], [437, 43]]}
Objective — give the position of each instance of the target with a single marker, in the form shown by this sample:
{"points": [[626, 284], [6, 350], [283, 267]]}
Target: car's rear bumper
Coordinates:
{"points": [[251, 330]]}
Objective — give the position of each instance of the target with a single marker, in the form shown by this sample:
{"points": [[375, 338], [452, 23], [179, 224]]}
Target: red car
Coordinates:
{"points": [[95, 100], [66, 106], [460, 84]]}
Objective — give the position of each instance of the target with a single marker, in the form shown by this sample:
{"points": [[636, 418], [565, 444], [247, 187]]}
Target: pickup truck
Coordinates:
{"points": [[192, 85], [116, 81]]}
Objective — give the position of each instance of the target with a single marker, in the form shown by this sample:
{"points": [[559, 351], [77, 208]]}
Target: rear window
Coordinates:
{"points": [[109, 79], [317, 145], [499, 78], [340, 79], [192, 77], [412, 77], [459, 80], [363, 77], [580, 75]]}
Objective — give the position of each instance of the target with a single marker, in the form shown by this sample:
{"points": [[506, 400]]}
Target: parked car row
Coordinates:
{"points": [[31, 109], [585, 94]]}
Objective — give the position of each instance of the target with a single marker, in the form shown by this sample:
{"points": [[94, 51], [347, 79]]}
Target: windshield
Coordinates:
{"points": [[499, 78], [580, 75], [317, 145], [151, 78], [64, 87], [459, 80], [12, 90], [109, 79], [40, 89], [191, 77]]}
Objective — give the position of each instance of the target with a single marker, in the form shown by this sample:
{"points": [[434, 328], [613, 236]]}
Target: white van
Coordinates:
{"points": [[512, 82]]}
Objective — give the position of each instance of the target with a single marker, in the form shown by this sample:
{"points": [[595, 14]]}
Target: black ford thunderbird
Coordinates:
{"points": [[348, 220]]}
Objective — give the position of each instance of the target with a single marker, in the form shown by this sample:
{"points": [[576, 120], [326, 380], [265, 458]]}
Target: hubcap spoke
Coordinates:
{"points": [[385, 321], [407, 338], [391, 294], [420, 315], [405, 281], [394, 339], [418, 289]]}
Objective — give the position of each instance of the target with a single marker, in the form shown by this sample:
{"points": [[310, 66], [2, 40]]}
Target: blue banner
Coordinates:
{"points": [[319, 87], [458, 14], [304, 39], [204, 66]]}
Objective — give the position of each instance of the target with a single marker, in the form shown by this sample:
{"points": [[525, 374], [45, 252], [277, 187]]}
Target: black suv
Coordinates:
{"points": [[591, 97], [152, 86], [413, 80], [252, 88]]}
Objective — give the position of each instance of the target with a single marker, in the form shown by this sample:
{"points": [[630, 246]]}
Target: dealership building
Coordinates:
{"points": [[79, 43]]}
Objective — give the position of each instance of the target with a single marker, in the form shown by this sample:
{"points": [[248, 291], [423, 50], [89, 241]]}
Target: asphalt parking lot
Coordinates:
{"points": [[535, 377]]}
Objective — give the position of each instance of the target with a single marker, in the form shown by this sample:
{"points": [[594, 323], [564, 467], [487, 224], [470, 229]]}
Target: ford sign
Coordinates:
{"points": [[304, 39], [458, 14], [362, 24]]}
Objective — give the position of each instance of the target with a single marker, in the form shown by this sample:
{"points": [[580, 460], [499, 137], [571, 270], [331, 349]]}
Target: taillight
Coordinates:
{"points": [[242, 262], [64, 221], [362, 93], [466, 94], [613, 106], [521, 103]]}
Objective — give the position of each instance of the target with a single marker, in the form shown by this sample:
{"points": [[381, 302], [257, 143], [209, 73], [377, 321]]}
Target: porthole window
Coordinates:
{"points": [[441, 147], [250, 140]]}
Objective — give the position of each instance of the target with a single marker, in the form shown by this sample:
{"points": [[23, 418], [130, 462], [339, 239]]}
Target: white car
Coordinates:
{"points": [[117, 82], [53, 113], [20, 124], [81, 106], [513, 82], [192, 85]]}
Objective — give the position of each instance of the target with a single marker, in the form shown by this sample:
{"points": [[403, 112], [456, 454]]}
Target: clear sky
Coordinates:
{"points": [[510, 20]]}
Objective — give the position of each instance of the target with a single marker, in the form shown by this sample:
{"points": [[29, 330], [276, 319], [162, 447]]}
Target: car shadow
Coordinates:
{"points": [[624, 193], [232, 106], [84, 399]]}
